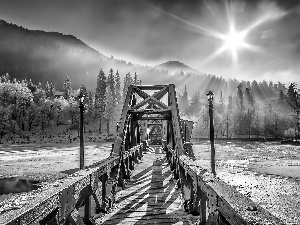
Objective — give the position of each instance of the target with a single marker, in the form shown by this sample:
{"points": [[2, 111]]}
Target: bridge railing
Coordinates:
{"points": [[211, 198], [59, 202]]}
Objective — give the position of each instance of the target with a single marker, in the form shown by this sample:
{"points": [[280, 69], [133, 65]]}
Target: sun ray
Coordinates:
{"points": [[234, 41], [197, 28]]}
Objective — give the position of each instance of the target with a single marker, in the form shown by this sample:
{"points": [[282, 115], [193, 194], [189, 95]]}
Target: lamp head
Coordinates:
{"points": [[210, 96], [81, 97]]}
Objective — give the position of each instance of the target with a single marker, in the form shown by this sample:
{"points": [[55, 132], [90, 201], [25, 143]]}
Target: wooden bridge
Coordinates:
{"points": [[140, 184]]}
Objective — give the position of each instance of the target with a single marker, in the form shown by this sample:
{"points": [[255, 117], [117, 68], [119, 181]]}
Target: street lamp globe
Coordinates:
{"points": [[81, 97], [210, 96]]}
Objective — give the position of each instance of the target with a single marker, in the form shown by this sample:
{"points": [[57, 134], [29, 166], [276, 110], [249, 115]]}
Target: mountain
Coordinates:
{"points": [[46, 56], [51, 56], [175, 67]]}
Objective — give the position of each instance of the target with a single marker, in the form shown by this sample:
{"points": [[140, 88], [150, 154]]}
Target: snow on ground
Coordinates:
{"points": [[48, 161], [266, 172]]}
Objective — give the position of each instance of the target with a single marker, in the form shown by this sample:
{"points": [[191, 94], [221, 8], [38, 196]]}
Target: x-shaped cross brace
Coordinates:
{"points": [[151, 99]]}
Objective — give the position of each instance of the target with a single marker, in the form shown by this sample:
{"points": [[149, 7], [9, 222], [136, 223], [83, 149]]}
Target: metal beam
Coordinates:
{"points": [[151, 87], [152, 118], [149, 111], [141, 93], [154, 98]]}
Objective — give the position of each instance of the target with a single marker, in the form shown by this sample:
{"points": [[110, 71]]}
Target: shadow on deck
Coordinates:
{"points": [[150, 197]]}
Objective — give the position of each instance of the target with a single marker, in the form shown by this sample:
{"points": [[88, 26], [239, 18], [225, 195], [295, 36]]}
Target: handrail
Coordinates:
{"points": [[59, 202], [212, 199]]}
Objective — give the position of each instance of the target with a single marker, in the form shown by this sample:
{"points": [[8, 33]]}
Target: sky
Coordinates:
{"points": [[247, 40]]}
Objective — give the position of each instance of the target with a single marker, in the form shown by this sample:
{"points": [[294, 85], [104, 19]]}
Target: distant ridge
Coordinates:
{"points": [[175, 66]]}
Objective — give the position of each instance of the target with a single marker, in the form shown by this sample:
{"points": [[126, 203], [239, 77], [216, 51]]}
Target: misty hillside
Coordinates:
{"points": [[42, 56]]}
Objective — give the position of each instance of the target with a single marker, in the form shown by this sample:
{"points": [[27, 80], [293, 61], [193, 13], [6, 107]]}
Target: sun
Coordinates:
{"points": [[233, 41]]}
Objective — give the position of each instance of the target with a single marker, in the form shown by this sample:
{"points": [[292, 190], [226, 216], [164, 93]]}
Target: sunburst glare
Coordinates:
{"points": [[233, 41]]}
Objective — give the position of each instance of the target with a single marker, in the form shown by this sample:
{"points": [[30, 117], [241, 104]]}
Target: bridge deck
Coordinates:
{"points": [[150, 197]]}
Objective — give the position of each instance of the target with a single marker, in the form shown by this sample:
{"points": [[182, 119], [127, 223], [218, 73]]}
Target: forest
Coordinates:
{"points": [[251, 110], [28, 108]]}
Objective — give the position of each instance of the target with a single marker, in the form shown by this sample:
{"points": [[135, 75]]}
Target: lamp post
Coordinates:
{"points": [[81, 106], [210, 97]]}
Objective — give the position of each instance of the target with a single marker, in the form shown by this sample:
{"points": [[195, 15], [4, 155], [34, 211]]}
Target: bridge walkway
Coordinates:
{"points": [[150, 196]]}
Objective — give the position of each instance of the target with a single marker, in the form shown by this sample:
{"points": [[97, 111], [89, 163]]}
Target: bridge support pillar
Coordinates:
{"points": [[109, 185]]}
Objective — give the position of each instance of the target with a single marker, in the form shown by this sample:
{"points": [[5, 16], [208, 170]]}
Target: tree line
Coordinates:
{"points": [[25, 105], [246, 113]]}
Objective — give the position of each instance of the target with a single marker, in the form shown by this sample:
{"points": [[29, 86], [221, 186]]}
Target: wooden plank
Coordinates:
{"points": [[151, 196]]}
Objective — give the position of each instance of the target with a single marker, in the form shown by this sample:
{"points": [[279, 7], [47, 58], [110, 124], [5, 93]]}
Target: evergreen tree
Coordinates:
{"points": [[221, 102], [230, 102], [195, 104], [109, 108], [281, 96], [118, 109], [240, 98], [248, 98], [39, 86], [47, 89], [127, 82], [67, 88], [184, 101], [250, 110], [52, 91], [229, 117], [135, 80], [100, 97], [84, 91], [293, 99], [90, 99], [111, 84], [5, 78], [118, 88], [31, 86], [293, 96]]}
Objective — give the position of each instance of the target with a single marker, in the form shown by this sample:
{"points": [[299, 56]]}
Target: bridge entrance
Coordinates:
{"points": [[155, 135], [150, 113]]}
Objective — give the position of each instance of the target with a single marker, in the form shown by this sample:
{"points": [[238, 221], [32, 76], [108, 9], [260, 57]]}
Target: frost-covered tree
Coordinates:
{"points": [[49, 90], [67, 88]]}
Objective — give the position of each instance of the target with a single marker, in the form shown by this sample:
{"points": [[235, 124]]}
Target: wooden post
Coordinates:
{"points": [[104, 205], [212, 131], [87, 210], [81, 106]]}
